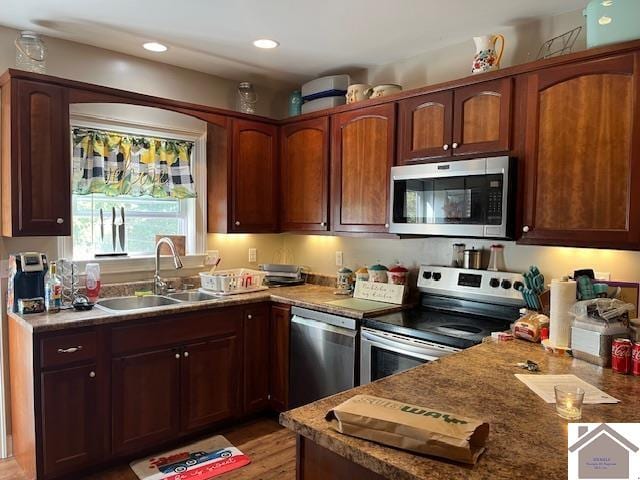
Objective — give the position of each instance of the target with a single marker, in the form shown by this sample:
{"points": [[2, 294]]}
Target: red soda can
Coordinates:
{"points": [[635, 359], [621, 355]]}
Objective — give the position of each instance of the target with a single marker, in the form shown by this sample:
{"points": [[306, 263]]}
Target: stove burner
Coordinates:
{"points": [[459, 329]]}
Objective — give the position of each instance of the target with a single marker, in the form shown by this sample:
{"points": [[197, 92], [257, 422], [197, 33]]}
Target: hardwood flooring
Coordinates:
{"points": [[270, 447]]}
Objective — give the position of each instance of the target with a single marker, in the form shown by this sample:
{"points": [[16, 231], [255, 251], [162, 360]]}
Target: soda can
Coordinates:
{"points": [[621, 355], [635, 359]]}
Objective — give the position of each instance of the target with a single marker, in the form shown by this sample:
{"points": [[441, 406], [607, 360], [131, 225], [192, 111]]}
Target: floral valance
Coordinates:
{"points": [[119, 164]]}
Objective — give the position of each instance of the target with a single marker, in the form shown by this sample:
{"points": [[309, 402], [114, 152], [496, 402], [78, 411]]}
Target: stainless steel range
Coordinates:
{"points": [[458, 308]]}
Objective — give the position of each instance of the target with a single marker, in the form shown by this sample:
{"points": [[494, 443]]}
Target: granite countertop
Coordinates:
{"points": [[527, 440], [309, 296]]}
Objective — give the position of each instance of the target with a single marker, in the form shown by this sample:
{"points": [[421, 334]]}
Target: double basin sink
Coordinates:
{"points": [[126, 304]]}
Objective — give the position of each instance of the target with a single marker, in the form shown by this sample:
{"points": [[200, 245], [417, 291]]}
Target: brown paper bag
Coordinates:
{"points": [[411, 427]]}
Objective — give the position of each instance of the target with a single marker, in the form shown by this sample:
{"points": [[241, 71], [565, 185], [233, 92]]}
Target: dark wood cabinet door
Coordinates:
{"points": [[72, 424], [254, 177], [583, 155], [256, 358], [304, 163], [210, 385], [424, 130], [145, 400], [361, 159], [482, 118], [279, 357], [40, 160]]}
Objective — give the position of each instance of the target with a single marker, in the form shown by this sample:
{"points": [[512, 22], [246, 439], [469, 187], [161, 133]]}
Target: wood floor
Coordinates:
{"points": [[270, 447]]}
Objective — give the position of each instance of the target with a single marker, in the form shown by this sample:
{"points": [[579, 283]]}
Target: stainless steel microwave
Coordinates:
{"points": [[463, 198]]}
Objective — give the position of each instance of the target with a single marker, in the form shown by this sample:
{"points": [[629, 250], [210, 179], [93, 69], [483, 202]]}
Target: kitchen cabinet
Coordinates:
{"points": [[582, 176], [71, 419], [145, 399], [209, 384], [254, 177], [280, 324], [304, 163], [362, 154], [35, 159], [256, 358], [470, 120]]}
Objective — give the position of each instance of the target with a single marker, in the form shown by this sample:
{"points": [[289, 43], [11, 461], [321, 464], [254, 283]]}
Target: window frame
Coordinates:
{"points": [[196, 231]]}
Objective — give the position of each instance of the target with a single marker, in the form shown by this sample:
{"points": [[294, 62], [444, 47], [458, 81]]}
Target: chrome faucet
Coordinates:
{"points": [[159, 286]]}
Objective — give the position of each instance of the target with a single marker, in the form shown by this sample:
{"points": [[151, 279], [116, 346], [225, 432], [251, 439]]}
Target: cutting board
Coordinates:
{"points": [[360, 304]]}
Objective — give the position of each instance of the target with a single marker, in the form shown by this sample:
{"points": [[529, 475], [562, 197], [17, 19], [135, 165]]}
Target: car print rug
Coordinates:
{"points": [[198, 461]]}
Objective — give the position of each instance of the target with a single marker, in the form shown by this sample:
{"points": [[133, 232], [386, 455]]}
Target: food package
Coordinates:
{"points": [[411, 427], [530, 326]]}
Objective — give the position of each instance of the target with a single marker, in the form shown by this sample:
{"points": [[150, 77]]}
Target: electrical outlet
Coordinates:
{"points": [[212, 257], [339, 261], [253, 255]]}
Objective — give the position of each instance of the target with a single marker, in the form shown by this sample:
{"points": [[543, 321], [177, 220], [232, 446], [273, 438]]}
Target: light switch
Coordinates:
{"points": [[253, 255], [339, 261]]}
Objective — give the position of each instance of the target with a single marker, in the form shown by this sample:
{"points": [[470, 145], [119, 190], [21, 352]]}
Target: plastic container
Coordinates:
{"points": [[323, 86], [323, 103], [611, 21], [92, 281], [230, 282]]}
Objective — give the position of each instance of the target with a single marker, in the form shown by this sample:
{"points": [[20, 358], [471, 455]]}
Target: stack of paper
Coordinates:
{"points": [[543, 386]]}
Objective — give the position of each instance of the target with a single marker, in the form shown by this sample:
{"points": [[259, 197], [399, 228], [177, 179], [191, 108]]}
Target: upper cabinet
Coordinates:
{"points": [[363, 145], [582, 154], [36, 159], [304, 186], [466, 121], [242, 176]]}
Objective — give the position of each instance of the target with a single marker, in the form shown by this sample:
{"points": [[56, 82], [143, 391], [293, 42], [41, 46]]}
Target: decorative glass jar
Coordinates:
{"points": [[247, 97], [30, 52]]}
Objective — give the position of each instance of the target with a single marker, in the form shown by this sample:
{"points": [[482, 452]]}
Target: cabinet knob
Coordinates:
{"points": [[177, 355], [237, 223], [59, 221], [322, 224], [249, 316], [455, 145], [186, 354], [386, 225], [445, 146], [92, 374], [525, 229]]}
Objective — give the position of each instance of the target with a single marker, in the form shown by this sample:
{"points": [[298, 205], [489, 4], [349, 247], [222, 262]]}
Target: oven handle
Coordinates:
{"points": [[419, 348]]}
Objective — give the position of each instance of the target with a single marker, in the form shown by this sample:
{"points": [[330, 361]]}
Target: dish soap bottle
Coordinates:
{"points": [[53, 289]]}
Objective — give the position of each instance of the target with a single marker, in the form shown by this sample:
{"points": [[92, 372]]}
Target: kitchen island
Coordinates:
{"points": [[527, 439]]}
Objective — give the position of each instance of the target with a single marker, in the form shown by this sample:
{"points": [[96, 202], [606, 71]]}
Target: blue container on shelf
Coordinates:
{"points": [[295, 103], [612, 21]]}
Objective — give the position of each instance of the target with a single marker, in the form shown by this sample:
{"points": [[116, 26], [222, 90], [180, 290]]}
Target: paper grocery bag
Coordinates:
{"points": [[411, 427]]}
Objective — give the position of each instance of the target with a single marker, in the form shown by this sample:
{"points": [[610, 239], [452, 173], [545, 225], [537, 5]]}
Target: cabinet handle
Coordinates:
{"points": [[186, 354], [59, 221], [525, 229], [454, 145], [237, 223], [249, 316], [70, 350], [177, 355], [445, 146], [92, 374]]}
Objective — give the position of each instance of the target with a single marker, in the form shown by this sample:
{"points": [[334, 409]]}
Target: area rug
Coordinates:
{"points": [[198, 461]]}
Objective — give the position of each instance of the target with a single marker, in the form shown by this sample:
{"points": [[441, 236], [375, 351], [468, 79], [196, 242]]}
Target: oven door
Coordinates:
{"points": [[383, 353], [465, 198]]}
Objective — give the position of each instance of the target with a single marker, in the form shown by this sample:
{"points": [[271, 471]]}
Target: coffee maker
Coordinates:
{"points": [[26, 277]]}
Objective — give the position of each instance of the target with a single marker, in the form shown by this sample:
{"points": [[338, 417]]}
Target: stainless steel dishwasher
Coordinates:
{"points": [[323, 355]]}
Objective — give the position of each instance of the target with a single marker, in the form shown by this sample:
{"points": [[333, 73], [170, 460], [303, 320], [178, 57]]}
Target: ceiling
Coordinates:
{"points": [[214, 36]]}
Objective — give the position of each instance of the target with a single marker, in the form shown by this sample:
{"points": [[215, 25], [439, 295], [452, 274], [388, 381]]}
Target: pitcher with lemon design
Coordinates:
{"points": [[487, 58]]}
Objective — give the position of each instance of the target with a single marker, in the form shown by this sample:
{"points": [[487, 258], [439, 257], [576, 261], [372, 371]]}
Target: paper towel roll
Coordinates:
{"points": [[563, 296]]}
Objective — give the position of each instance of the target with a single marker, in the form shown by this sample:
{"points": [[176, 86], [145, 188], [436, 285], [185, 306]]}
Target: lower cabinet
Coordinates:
{"points": [[144, 399], [280, 324], [256, 358], [71, 420]]}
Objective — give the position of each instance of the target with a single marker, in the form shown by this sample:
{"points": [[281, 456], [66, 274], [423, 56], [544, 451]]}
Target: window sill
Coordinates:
{"points": [[140, 264]]}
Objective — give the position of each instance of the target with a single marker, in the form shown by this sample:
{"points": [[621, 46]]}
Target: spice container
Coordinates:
{"points": [[472, 259], [397, 275], [362, 274], [378, 273]]}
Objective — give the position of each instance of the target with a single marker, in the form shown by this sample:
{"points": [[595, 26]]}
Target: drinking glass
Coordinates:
{"points": [[569, 401]]}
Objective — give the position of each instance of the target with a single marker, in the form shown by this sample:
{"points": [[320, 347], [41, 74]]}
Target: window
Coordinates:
{"points": [[144, 218]]}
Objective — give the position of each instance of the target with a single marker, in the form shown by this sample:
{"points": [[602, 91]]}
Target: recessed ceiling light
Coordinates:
{"points": [[155, 47], [265, 43], [604, 20]]}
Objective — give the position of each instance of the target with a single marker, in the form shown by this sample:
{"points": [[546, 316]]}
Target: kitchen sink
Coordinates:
{"points": [[192, 296], [121, 304]]}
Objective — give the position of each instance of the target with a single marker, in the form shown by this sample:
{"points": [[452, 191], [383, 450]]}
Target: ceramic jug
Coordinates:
{"points": [[487, 58], [358, 92]]}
